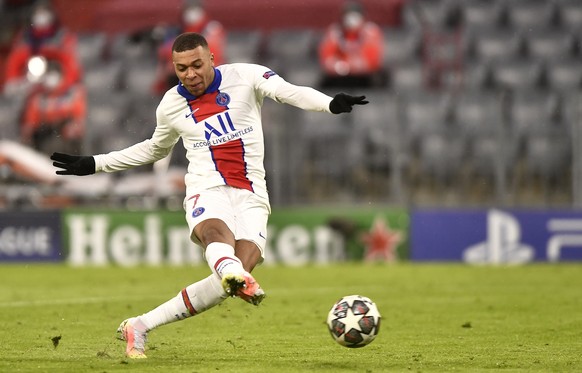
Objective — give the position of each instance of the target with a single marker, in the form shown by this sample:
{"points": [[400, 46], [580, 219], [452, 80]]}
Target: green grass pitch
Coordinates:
{"points": [[436, 318]]}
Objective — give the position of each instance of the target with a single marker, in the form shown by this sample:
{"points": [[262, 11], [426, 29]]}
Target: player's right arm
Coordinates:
{"points": [[148, 151]]}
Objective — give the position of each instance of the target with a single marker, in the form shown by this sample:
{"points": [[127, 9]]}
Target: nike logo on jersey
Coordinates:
{"points": [[188, 115]]}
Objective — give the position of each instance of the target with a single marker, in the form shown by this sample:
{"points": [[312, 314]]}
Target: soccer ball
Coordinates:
{"points": [[354, 321]]}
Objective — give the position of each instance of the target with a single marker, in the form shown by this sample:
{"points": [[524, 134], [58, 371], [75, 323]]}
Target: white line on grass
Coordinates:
{"points": [[86, 300], [272, 291]]}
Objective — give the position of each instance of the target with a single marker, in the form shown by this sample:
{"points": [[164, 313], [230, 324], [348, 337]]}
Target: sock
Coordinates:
{"points": [[221, 259], [192, 300]]}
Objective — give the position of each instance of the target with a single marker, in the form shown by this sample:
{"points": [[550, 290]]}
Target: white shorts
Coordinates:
{"points": [[243, 211]]}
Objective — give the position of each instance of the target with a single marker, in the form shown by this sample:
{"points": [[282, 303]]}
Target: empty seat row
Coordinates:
{"points": [[518, 14]]}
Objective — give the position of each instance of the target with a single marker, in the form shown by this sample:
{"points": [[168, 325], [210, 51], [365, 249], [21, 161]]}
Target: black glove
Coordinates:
{"points": [[342, 103], [74, 164]]}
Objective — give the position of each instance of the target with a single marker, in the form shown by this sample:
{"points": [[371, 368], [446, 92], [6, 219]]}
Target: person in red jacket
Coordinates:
{"points": [[43, 37], [194, 18], [55, 113], [350, 52]]}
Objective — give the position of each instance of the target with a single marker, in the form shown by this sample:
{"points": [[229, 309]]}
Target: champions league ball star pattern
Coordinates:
{"points": [[354, 321]]}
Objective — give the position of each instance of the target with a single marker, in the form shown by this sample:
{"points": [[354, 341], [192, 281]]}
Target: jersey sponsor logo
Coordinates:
{"points": [[223, 127], [222, 99], [198, 211], [269, 74]]}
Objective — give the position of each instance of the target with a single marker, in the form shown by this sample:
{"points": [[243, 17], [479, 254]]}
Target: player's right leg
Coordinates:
{"points": [[231, 264], [215, 218], [243, 284]]}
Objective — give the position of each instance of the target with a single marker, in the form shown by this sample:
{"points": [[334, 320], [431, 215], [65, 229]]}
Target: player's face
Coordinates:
{"points": [[195, 69]]}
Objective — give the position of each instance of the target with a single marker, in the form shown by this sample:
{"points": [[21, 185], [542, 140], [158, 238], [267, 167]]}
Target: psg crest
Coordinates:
{"points": [[222, 99]]}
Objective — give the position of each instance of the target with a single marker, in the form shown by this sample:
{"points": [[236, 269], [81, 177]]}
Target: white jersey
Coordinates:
{"points": [[221, 130]]}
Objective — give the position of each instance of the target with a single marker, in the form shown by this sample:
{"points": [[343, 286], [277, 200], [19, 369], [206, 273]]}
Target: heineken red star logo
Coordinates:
{"points": [[381, 242]]}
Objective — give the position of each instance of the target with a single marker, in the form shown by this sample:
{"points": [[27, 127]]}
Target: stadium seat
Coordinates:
{"points": [[332, 150], [570, 14], [480, 14], [476, 75], [91, 48], [477, 113], [127, 48], [548, 155], [380, 128], [571, 112], [533, 112], [492, 157], [243, 46], [285, 49], [547, 163], [424, 113], [564, 75], [437, 14], [284, 162], [401, 45], [517, 74], [493, 44], [106, 114], [10, 110], [549, 43], [103, 78], [139, 77], [385, 157], [530, 14], [308, 74], [441, 157], [330, 140], [407, 77]]}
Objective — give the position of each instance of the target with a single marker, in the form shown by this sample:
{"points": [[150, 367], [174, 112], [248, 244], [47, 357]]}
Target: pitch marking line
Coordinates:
{"points": [[58, 302]]}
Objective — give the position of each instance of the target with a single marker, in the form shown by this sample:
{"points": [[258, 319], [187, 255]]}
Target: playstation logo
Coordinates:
{"points": [[502, 245]]}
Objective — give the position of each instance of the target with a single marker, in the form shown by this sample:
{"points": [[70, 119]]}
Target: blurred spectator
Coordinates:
{"points": [[42, 36], [193, 19], [351, 50], [55, 113]]}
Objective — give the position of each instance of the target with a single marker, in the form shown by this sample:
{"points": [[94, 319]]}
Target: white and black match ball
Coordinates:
{"points": [[354, 321]]}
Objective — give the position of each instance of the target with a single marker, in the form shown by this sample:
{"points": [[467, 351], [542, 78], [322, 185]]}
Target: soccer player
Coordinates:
{"points": [[216, 111]]}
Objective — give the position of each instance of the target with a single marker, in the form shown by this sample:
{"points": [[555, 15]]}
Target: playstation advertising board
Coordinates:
{"points": [[496, 236]]}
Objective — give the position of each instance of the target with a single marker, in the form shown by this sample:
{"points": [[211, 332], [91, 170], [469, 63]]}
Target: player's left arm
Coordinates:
{"points": [[306, 98]]}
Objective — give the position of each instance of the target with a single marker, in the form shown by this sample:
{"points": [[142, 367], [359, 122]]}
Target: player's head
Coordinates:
{"points": [[193, 62]]}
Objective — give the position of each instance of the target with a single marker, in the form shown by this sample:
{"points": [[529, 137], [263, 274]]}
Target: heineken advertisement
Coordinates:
{"points": [[298, 236], [295, 237]]}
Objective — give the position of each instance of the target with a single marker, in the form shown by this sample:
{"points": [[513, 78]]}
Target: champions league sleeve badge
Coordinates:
{"points": [[269, 74]]}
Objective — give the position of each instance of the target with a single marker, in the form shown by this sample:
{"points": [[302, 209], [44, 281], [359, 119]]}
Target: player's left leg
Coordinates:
{"points": [[192, 300]]}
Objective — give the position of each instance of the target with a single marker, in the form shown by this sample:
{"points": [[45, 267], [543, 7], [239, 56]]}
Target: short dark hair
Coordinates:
{"points": [[189, 40]]}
